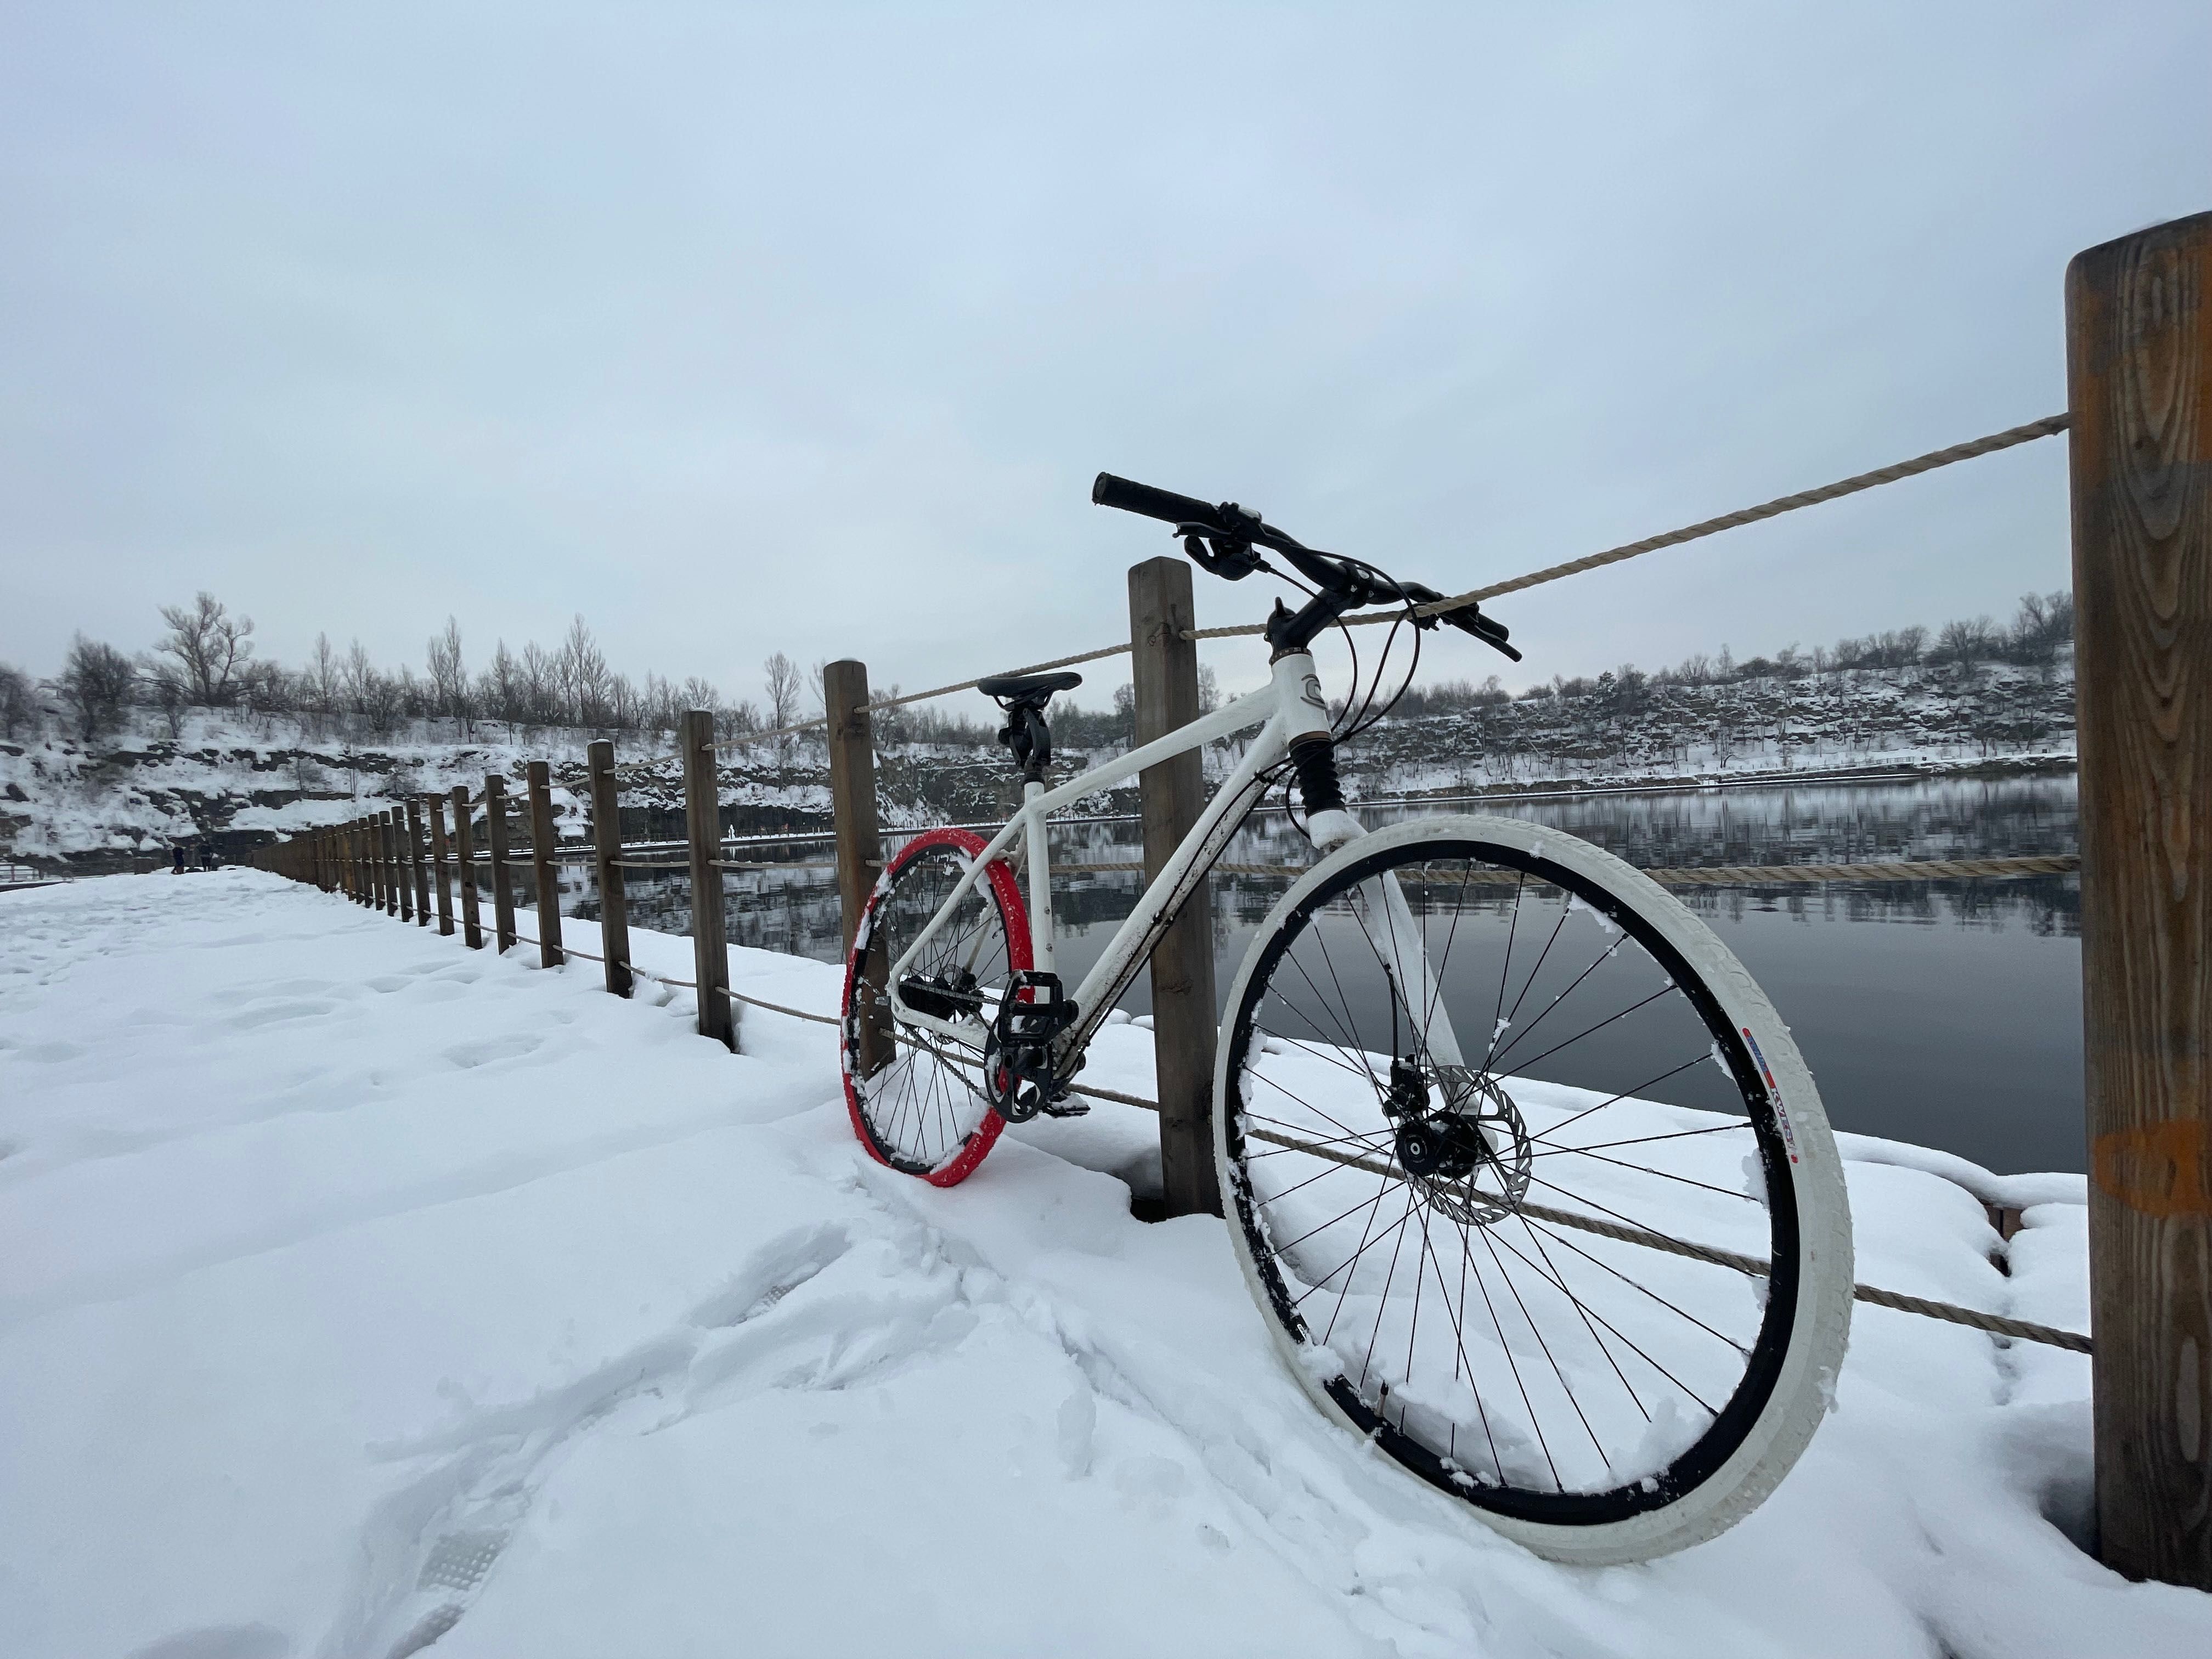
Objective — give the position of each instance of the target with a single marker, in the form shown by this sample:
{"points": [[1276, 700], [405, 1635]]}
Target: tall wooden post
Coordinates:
{"points": [[380, 842], [853, 815], [404, 860], [416, 865], [395, 883], [357, 861], [2139, 386], [546, 871], [606, 859], [436, 805], [502, 891], [1163, 674], [703, 824], [465, 855]]}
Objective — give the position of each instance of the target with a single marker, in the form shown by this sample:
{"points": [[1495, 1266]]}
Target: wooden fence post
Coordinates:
{"points": [[703, 824], [421, 870], [1163, 674], [502, 893], [387, 856], [2139, 386], [607, 849], [387, 841], [356, 855], [436, 807], [545, 871], [465, 855], [379, 853], [403, 860], [365, 894], [853, 815]]}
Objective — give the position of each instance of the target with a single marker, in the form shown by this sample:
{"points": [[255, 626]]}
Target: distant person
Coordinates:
{"points": [[207, 856], [177, 858]]}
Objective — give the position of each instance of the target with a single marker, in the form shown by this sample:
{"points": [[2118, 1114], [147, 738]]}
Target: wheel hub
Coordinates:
{"points": [[1462, 1139]]}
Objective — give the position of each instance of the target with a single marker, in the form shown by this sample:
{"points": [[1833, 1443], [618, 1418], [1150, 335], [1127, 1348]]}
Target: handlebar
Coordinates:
{"points": [[1146, 501], [1233, 534]]}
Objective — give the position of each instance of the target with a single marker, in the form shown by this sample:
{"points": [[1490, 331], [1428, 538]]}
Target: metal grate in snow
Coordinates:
{"points": [[459, 1560]]}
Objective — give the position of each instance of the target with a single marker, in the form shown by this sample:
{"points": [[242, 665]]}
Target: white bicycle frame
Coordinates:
{"points": [[1291, 705]]}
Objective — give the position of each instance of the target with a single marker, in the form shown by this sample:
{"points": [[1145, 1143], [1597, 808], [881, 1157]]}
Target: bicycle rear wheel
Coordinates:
{"points": [[1533, 1187], [915, 1094]]}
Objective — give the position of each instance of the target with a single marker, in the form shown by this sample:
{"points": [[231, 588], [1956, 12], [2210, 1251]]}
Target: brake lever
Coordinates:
{"points": [[1218, 555], [1468, 619]]}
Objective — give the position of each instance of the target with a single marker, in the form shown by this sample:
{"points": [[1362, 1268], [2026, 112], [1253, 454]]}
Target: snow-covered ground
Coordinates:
{"points": [[358, 1290]]}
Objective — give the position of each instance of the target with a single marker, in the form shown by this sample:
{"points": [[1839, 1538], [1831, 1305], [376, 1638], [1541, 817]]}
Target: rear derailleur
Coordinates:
{"points": [[1023, 1075]]}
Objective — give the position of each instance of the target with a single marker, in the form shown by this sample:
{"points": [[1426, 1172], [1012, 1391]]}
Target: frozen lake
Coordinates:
{"points": [[1946, 1013]]}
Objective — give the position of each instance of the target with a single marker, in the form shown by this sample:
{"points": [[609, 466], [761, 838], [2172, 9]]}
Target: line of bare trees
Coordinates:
{"points": [[205, 660]]}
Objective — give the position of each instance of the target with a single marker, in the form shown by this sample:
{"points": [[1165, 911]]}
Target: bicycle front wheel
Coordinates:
{"points": [[1533, 1187]]}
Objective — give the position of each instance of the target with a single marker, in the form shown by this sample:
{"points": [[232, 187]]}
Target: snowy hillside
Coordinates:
{"points": [[242, 778], [360, 1292]]}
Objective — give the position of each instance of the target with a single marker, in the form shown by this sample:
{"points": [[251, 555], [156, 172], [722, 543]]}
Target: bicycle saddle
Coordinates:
{"points": [[1028, 688]]}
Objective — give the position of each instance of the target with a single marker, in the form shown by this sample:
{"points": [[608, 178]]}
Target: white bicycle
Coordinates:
{"points": [[1525, 1173]]}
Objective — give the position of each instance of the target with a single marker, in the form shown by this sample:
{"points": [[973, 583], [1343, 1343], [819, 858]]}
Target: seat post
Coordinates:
{"points": [[1040, 860]]}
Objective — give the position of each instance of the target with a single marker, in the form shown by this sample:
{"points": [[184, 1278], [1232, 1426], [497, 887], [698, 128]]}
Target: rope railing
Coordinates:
{"points": [[705, 840], [2049, 426]]}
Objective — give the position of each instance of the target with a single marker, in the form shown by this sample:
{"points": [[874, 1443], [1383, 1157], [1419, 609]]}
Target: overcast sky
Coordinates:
{"points": [[805, 328]]}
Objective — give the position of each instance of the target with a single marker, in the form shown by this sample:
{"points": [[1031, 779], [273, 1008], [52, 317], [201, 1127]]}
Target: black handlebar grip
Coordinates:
{"points": [[1164, 504]]}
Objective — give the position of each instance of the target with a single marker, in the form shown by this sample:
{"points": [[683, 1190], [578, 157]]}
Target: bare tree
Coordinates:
{"points": [[359, 677], [326, 681], [207, 646], [19, 705], [580, 671], [96, 682], [784, 686], [449, 676], [499, 690], [539, 683]]}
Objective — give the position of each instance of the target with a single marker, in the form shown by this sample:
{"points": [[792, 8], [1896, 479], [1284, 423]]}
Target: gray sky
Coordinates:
{"points": [[743, 329]]}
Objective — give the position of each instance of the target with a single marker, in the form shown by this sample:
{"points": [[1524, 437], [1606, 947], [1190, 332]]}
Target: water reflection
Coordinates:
{"points": [[1958, 1025]]}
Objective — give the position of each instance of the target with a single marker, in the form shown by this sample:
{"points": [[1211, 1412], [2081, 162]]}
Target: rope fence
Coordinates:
{"points": [[2049, 426], [375, 872]]}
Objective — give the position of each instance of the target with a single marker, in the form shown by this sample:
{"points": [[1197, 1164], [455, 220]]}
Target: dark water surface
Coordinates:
{"points": [[1947, 1013]]}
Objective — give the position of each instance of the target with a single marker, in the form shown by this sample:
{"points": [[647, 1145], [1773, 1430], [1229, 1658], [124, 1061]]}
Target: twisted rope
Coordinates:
{"points": [[1994, 1324], [2047, 427], [1724, 875]]}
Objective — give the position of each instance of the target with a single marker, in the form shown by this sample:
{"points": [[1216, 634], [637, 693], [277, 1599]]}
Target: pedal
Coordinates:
{"points": [[1067, 1106]]}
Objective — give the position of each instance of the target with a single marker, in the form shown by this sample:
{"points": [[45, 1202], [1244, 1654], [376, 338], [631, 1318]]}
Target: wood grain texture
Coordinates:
{"points": [[496, 840], [546, 876], [2139, 373], [440, 869], [860, 837], [416, 865], [402, 861], [702, 825], [1163, 674], [465, 860], [606, 857]]}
